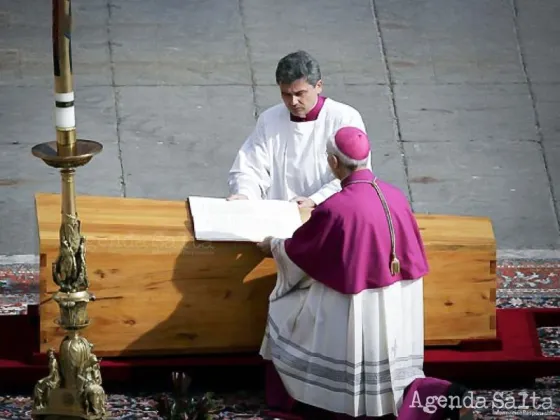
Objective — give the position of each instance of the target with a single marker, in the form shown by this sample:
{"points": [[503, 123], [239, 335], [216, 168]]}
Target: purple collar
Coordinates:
{"points": [[362, 175], [311, 115]]}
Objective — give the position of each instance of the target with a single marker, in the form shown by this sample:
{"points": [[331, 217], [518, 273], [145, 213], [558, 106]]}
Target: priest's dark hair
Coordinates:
{"points": [[298, 65]]}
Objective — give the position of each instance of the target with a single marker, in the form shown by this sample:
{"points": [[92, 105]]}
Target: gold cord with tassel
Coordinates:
{"points": [[395, 263]]}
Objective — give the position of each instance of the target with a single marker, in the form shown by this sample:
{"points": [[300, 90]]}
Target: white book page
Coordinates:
{"points": [[216, 219]]}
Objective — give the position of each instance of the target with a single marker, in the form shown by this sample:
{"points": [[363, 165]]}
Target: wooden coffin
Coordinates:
{"points": [[160, 292]]}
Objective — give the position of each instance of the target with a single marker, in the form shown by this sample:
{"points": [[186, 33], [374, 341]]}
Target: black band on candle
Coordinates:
{"points": [[64, 104]]}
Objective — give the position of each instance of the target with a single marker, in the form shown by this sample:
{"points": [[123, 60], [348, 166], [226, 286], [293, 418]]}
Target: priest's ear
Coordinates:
{"points": [[319, 87]]}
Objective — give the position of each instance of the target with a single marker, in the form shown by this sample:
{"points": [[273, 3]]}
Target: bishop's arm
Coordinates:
{"points": [[250, 172], [297, 257], [289, 275]]}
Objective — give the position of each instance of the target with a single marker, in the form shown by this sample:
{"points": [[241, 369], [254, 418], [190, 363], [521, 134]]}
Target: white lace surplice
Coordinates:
{"points": [[351, 354]]}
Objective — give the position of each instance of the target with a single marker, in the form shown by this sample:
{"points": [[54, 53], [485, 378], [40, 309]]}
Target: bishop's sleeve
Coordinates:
{"points": [[289, 275], [250, 173], [308, 248], [333, 186]]}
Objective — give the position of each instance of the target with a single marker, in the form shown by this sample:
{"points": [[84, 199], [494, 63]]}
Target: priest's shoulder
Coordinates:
{"points": [[273, 113], [336, 108]]}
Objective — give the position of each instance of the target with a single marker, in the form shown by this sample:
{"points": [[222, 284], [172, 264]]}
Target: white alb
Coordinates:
{"points": [[349, 354], [282, 159]]}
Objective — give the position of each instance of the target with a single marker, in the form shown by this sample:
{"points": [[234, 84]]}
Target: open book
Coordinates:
{"points": [[216, 219]]}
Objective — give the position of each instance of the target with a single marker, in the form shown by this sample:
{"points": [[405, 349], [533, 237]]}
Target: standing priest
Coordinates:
{"points": [[345, 331], [284, 157]]}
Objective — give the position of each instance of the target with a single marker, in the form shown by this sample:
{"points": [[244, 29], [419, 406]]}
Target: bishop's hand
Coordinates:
{"points": [[237, 197], [266, 246], [304, 202]]}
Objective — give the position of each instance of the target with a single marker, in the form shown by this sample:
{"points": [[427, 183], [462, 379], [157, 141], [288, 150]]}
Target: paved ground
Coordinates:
{"points": [[461, 99]]}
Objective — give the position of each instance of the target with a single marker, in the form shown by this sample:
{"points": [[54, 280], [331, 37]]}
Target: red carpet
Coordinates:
{"points": [[515, 356]]}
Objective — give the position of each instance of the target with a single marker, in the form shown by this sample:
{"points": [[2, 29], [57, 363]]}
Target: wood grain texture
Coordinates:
{"points": [[160, 292]]}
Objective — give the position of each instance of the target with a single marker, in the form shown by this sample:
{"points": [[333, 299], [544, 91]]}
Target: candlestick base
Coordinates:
{"points": [[73, 389], [82, 153]]}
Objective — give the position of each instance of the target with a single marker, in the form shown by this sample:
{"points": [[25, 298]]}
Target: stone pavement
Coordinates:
{"points": [[461, 99]]}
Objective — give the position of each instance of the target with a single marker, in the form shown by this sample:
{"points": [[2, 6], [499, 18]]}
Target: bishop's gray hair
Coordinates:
{"points": [[298, 65], [350, 164]]}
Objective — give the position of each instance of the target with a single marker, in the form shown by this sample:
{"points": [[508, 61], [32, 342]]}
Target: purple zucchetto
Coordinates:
{"points": [[352, 143]]}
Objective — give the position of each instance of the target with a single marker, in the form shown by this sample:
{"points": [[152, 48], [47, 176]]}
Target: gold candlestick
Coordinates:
{"points": [[73, 388]]}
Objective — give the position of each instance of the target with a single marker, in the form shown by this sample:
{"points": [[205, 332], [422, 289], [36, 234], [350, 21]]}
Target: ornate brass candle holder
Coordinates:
{"points": [[73, 388]]}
